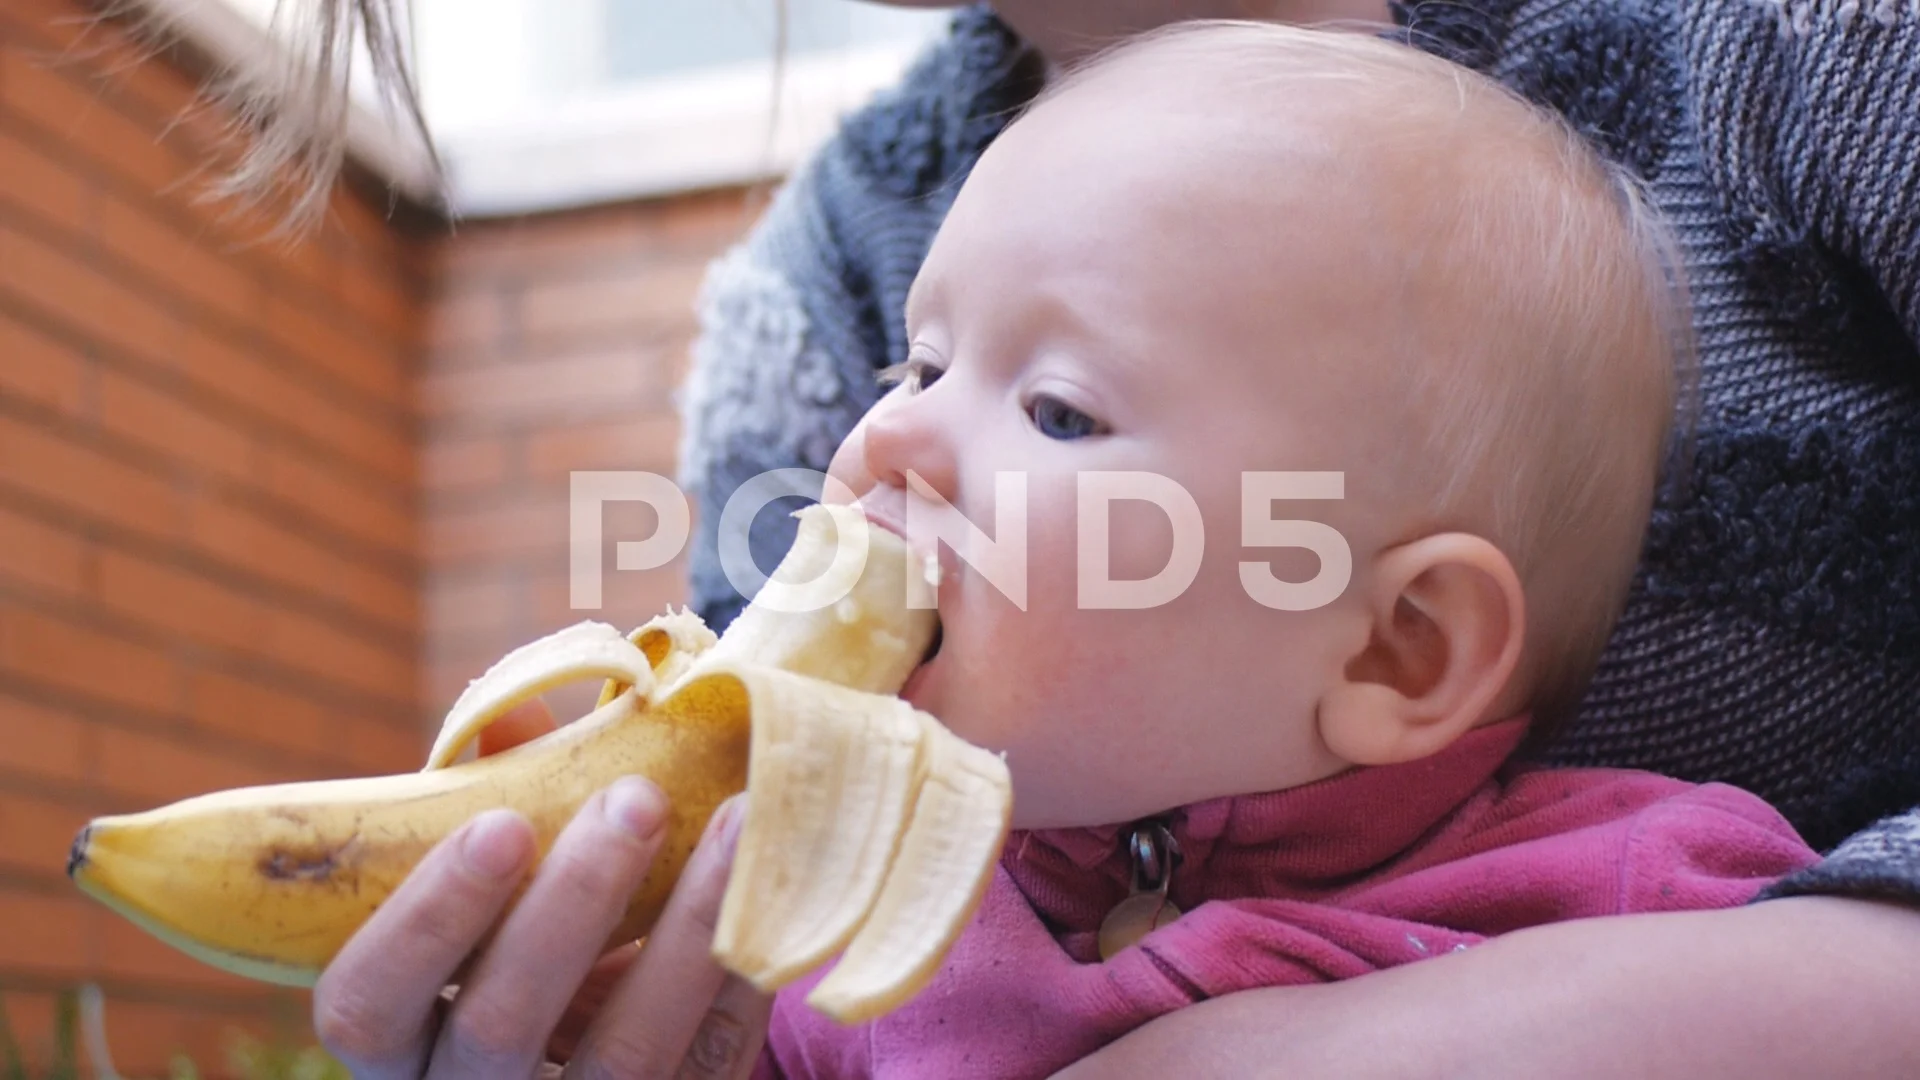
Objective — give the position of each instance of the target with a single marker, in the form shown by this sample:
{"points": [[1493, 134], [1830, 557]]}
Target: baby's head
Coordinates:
{"points": [[1238, 249]]}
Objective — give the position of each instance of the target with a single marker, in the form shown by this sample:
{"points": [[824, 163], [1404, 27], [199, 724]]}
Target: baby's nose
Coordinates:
{"points": [[902, 437]]}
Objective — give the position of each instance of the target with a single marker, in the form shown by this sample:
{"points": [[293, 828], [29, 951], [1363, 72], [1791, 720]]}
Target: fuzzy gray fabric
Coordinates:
{"points": [[1773, 636]]}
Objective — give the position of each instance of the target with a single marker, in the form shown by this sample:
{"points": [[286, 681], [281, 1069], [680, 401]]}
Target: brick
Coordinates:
{"points": [[143, 1037], [141, 76], [177, 262], [522, 525], [180, 603], [239, 708], [705, 221], [385, 305], [320, 344], [611, 382], [41, 371], [355, 506], [32, 1019], [514, 246], [43, 188], [673, 359], [177, 428], [153, 770], [359, 231], [458, 607], [128, 952], [307, 261], [352, 432], [312, 646], [453, 465], [49, 651], [57, 30], [646, 442], [36, 835], [43, 934], [88, 302], [647, 300], [64, 471], [526, 528], [699, 225], [44, 743], [379, 749], [61, 105], [464, 325], [41, 556], [245, 539], [627, 597]]}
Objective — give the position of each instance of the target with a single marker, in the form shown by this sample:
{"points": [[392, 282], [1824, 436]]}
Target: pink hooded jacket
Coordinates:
{"points": [[1358, 872]]}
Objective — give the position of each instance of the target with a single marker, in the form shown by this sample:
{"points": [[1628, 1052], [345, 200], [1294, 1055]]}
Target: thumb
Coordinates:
{"points": [[523, 723]]}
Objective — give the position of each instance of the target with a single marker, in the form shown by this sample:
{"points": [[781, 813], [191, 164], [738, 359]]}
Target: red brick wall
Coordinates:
{"points": [[209, 531], [555, 347], [264, 509]]}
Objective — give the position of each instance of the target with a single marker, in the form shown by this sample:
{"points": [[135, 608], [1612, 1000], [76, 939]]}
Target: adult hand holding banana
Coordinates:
{"points": [[869, 830]]}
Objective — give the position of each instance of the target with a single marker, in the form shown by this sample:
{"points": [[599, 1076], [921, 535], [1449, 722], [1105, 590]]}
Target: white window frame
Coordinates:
{"points": [[643, 139]]}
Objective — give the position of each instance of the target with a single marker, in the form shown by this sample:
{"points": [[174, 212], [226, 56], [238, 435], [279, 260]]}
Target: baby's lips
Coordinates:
{"points": [[887, 508]]}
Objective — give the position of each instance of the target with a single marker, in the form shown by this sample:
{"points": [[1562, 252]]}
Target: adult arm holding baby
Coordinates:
{"points": [[1804, 987]]}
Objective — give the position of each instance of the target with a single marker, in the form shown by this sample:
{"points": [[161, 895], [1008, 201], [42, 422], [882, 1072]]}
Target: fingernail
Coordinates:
{"points": [[724, 829], [634, 805], [496, 844]]}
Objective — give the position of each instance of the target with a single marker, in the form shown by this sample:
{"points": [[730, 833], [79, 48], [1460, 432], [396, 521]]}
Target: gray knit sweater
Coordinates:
{"points": [[1773, 636]]}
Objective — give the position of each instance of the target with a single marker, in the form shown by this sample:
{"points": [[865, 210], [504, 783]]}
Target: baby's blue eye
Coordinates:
{"points": [[1058, 420]]}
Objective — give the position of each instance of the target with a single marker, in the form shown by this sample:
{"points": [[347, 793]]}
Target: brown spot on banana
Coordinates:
{"points": [[329, 865]]}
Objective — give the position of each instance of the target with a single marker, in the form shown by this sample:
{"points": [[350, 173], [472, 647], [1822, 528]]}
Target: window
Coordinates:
{"points": [[546, 103], [543, 104]]}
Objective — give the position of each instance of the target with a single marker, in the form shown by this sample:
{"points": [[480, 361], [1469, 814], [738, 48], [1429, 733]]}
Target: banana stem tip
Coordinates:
{"points": [[77, 855]]}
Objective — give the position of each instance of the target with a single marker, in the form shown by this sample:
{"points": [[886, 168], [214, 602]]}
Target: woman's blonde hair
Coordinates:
{"points": [[291, 117]]}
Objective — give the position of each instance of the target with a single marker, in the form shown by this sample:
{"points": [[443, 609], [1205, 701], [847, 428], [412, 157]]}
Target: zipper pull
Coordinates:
{"points": [[1146, 907]]}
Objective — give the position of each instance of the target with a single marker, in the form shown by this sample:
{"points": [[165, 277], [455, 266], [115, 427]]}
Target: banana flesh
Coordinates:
{"points": [[960, 817], [582, 650], [869, 828]]}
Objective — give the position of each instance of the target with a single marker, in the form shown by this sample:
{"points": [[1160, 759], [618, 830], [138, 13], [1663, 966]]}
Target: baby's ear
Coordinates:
{"points": [[1448, 620]]}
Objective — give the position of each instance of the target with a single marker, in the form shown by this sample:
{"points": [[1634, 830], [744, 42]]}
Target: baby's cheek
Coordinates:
{"points": [[1140, 539]]}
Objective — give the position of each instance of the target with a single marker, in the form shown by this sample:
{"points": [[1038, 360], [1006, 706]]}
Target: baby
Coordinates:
{"points": [[1217, 254]]}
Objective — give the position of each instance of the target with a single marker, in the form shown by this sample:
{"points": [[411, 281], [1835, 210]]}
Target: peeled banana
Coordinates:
{"points": [[870, 830]]}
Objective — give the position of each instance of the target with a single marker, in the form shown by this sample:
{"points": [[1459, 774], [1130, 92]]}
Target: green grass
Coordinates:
{"points": [[248, 1057]]}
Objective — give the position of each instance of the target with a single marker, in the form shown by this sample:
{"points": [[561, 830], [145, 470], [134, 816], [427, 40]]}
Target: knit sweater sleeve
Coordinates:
{"points": [[780, 375], [1813, 112], [1809, 111]]}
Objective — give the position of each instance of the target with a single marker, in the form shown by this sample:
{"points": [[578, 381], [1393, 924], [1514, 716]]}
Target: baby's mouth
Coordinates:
{"points": [[933, 646], [919, 675]]}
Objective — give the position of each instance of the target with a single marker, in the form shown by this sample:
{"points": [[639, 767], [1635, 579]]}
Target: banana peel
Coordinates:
{"points": [[870, 830]]}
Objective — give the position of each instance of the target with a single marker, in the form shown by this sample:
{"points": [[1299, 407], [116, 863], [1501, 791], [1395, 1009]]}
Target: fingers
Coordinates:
{"points": [[374, 1005], [524, 722], [512, 1002], [590, 1000], [677, 1013], [730, 1035]]}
